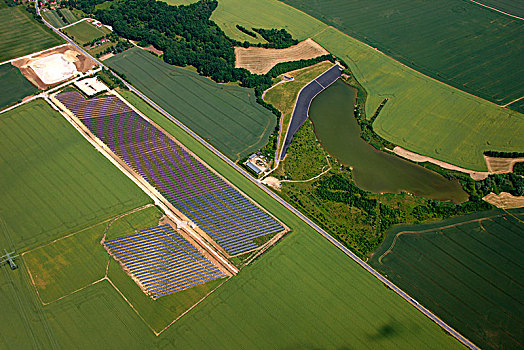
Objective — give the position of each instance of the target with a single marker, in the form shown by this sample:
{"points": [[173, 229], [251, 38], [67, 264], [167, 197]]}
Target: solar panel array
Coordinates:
{"points": [[226, 215], [162, 260]]}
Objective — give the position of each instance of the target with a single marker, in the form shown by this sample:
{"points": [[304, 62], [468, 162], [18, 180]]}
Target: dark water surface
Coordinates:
{"points": [[373, 170]]}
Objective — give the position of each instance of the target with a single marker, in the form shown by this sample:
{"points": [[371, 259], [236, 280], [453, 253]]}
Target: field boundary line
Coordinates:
{"points": [[72, 24], [497, 10], [513, 216], [112, 219], [192, 307], [33, 54], [131, 305], [512, 102], [439, 228]]}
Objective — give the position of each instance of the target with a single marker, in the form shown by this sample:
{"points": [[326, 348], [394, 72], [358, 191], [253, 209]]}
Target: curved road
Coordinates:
{"points": [[330, 238]]}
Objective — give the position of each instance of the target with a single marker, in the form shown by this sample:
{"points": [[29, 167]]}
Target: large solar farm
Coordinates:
{"points": [[261, 174], [206, 206]]}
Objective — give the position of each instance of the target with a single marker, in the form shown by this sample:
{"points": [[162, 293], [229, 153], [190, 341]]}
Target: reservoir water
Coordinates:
{"points": [[373, 170]]}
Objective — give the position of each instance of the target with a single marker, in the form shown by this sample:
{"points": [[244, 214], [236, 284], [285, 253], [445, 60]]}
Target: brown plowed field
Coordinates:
{"points": [[259, 60]]}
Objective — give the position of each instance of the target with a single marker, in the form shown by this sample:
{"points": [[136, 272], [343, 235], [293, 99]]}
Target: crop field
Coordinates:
{"points": [[301, 282], [21, 35], [259, 60], [512, 7], [53, 181], [84, 32], [227, 116], [466, 270], [69, 15], [468, 41], [53, 18], [422, 115], [15, 85]]}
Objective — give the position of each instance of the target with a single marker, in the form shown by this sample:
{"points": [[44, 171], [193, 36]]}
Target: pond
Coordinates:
{"points": [[335, 126]]}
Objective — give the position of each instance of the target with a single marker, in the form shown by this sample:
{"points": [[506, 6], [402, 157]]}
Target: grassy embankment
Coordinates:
{"points": [[422, 115], [20, 34], [467, 270], [281, 95], [227, 116]]}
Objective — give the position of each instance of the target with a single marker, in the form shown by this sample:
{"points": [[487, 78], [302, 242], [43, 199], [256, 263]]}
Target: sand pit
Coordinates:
{"points": [[259, 60], [54, 69], [504, 200], [53, 66]]}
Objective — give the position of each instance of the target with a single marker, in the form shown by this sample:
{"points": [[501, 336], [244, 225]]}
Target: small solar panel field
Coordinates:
{"points": [[220, 210], [228, 117], [466, 270], [162, 261]]}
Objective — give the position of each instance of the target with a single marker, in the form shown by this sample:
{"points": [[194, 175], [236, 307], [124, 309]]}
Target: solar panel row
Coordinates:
{"points": [[226, 215], [162, 260]]}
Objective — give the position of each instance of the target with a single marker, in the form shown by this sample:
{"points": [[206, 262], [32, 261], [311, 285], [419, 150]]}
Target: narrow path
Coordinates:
{"points": [[330, 238], [515, 100], [495, 9], [314, 177]]}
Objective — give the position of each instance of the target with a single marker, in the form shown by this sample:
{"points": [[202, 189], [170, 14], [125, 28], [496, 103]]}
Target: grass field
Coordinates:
{"points": [[422, 115], [53, 18], [227, 116], [15, 84], [20, 34], [512, 7], [52, 181], [84, 32], [467, 270], [468, 42]]}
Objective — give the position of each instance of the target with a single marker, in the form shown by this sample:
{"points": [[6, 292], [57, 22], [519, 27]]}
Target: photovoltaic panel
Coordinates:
{"points": [[226, 215]]}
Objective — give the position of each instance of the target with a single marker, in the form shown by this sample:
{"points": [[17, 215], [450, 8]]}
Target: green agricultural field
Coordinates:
{"points": [[467, 270], [68, 15], [422, 115], [512, 7], [21, 35], [227, 116], [468, 42], [53, 18], [15, 85], [52, 181], [84, 32]]}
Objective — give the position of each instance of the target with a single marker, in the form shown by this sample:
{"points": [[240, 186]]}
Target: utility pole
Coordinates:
{"points": [[9, 258]]}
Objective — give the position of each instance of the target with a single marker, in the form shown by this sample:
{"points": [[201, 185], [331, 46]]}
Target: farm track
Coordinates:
{"points": [[317, 228]]}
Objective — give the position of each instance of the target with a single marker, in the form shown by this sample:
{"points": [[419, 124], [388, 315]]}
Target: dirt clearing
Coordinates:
{"points": [[259, 60], [504, 200], [53, 66]]}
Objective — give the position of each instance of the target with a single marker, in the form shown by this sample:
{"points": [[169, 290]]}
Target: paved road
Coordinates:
{"points": [[305, 96], [348, 252]]}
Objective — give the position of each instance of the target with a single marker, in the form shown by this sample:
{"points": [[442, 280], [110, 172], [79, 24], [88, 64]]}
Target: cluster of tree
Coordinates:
{"points": [[518, 168], [276, 38], [31, 9], [497, 183], [366, 126], [504, 154], [341, 189], [110, 79], [11, 3], [246, 31], [121, 46]]}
